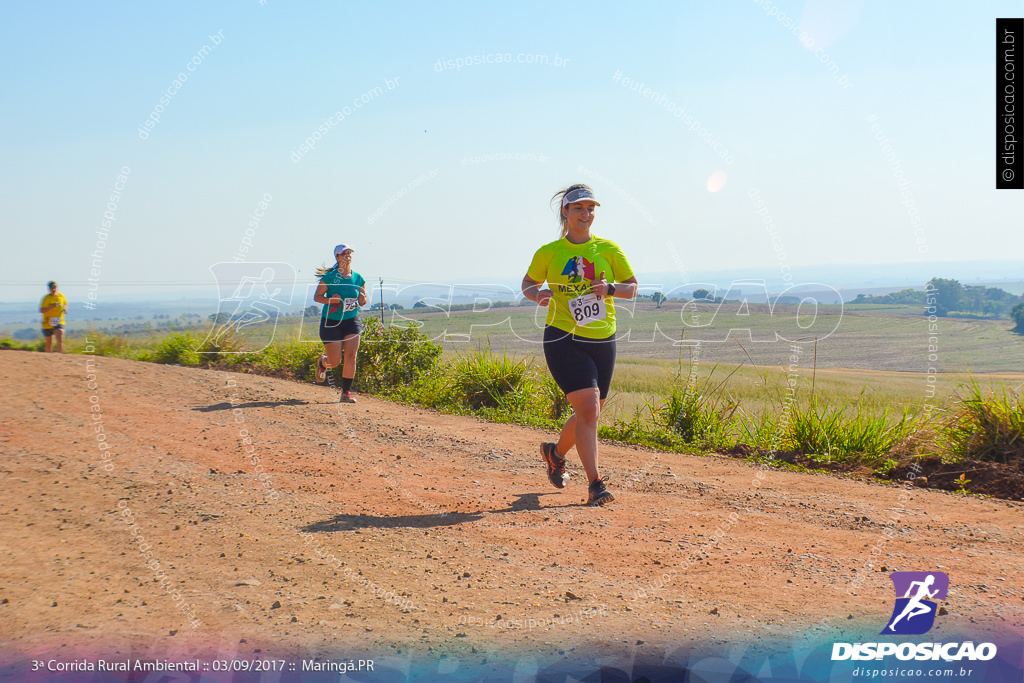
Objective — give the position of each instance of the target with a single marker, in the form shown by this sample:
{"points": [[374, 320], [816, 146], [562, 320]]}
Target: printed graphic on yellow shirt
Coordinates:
{"points": [[580, 272], [577, 268]]}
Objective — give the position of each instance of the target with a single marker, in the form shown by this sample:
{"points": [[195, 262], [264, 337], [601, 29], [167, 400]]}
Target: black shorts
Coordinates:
{"points": [[579, 363], [48, 332], [337, 330]]}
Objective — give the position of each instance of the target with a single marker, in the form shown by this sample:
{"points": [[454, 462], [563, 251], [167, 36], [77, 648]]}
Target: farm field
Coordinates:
{"points": [[866, 337], [872, 356], [862, 337], [879, 357]]}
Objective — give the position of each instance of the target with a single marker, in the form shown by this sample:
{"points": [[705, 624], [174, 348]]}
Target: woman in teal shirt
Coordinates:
{"points": [[342, 292]]}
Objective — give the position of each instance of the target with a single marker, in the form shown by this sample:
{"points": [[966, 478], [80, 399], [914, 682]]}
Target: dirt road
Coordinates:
{"points": [[379, 528]]}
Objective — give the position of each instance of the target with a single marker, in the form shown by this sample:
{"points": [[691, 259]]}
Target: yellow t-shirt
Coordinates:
{"points": [[53, 318], [568, 269]]}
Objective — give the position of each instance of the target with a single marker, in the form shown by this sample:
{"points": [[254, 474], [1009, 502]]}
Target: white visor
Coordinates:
{"points": [[578, 195]]}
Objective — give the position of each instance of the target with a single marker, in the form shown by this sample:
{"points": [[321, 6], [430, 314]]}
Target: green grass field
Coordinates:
{"points": [[743, 389], [873, 356], [877, 356]]}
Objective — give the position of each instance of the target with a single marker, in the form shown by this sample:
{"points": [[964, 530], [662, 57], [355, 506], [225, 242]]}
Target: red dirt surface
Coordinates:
{"points": [[388, 529]]}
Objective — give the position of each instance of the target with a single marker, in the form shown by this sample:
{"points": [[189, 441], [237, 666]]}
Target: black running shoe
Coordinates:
{"points": [[556, 465], [599, 493]]}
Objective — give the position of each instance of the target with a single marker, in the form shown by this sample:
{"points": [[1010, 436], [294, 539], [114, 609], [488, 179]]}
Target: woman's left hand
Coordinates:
{"points": [[600, 285]]}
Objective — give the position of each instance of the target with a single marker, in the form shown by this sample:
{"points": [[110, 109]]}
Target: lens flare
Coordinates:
{"points": [[717, 181], [826, 21]]}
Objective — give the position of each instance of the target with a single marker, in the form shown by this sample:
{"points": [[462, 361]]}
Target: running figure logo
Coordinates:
{"points": [[251, 296], [578, 267], [914, 613]]}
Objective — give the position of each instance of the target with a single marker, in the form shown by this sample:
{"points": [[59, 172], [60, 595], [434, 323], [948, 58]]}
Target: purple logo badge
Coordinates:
{"points": [[916, 593]]}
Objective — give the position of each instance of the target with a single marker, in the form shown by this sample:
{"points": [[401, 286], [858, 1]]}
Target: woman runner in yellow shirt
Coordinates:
{"points": [[584, 274]]}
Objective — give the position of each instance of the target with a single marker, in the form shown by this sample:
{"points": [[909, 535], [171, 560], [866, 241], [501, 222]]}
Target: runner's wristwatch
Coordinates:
{"points": [[611, 290]]}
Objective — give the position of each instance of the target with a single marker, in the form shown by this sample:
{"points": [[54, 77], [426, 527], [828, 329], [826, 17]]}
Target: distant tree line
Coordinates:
{"points": [[705, 295], [944, 297], [904, 296]]}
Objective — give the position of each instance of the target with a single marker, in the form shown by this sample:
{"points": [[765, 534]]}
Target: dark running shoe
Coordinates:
{"points": [[599, 493], [556, 465]]}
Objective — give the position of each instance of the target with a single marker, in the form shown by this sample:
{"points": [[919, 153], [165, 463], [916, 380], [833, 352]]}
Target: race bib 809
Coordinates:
{"points": [[587, 309]]}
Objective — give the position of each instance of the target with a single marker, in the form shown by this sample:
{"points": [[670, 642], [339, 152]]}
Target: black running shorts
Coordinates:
{"points": [[337, 330], [579, 363]]}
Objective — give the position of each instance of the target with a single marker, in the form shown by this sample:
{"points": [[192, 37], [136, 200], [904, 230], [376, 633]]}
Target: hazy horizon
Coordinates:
{"points": [[843, 279]]}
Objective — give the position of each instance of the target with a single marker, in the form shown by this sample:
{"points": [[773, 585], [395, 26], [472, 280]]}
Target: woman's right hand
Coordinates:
{"points": [[530, 286], [336, 299]]}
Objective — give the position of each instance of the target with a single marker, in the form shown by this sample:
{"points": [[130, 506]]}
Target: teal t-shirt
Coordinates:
{"points": [[345, 287]]}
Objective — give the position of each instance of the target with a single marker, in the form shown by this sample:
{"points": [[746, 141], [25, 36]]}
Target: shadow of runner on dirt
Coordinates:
{"points": [[252, 404], [523, 501]]}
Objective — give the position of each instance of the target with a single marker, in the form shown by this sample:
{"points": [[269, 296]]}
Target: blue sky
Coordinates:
{"points": [[80, 80]]}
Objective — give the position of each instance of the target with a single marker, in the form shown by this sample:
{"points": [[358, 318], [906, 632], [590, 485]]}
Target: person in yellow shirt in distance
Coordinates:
{"points": [[53, 307]]}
